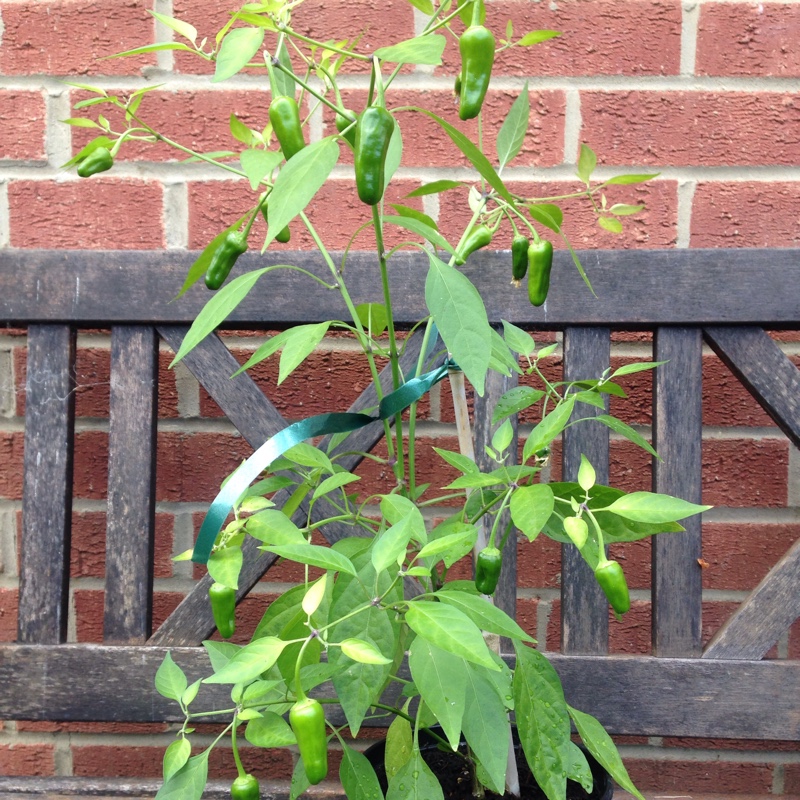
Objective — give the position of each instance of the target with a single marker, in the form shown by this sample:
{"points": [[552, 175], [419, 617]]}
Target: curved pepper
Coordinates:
{"points": [[479, 237], [540, 262], [245, 787], [519, 256], [344, 124], [223, 607], [610, 576], [285, 118], [487, 569], [221, 264], [307, 719], [99, 160], [477, 45], [374, 131]]}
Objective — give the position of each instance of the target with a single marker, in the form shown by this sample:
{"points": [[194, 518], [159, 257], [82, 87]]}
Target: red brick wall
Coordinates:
{"points": [[703, 93]]}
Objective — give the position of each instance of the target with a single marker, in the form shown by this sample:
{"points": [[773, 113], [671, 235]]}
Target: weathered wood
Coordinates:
{"points": [[762, 367], [584, 609], [671, 287], [767, 613], [47, 485], [505, 596], [717, 698], [677, 436], [131, 485]]}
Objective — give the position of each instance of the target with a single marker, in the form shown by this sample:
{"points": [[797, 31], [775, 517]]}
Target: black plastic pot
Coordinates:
{"points": [[453, 774]]}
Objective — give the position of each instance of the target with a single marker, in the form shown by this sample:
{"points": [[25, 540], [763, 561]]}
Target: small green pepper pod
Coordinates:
{"points": [[99, 160], [487, 570], [611, 578], [284, 115], [374, 131], [284, 235], [477, 45], [245, 787], [519, 257], [479, 237], [223, 607], [540, 262], [345, 126], [224, 257], [307, 719]]}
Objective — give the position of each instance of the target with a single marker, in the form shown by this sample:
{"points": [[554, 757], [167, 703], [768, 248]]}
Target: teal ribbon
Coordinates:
{"points": [[319, 425]]}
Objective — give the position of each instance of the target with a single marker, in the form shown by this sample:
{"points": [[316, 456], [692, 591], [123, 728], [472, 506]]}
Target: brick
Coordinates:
{"points": [[740, 555], [538, 564], [90, 469], [527, 615], [691, 128], [88, 605], [109, 213], [791, 779], [746, 214], [22, 137], [9, 605], [11, 455], [118, 761], [748, 39], [727, 778], [35, 36], [27, 760], [93, 727], [730, 744]]}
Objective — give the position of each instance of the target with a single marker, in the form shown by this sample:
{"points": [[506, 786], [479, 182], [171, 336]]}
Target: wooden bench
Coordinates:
{"points": [[724, 298]]}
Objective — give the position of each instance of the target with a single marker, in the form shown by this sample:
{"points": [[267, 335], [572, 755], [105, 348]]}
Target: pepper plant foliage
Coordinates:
{"points": [[385, 624]]}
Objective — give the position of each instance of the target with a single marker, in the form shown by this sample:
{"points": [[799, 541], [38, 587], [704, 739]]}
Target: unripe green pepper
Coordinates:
{"points": [[99, 160], [610, 576], [487, 569], [245, 787], [519, 256], [345, 123], [540, 262], [477, 57], [479, 237], [221, 264], [223, 607], [307, 719], [285, 118], [374, 131], [283, 235], [457, 85]]}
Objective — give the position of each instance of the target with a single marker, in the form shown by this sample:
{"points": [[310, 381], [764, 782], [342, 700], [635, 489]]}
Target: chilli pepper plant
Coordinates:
{"points": [[386, 624]]}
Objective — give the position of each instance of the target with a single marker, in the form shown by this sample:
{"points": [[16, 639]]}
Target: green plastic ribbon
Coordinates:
{"points": [[319, 425]]}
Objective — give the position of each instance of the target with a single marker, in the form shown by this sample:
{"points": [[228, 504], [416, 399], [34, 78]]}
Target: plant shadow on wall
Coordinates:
{"points": [[385, 624]]}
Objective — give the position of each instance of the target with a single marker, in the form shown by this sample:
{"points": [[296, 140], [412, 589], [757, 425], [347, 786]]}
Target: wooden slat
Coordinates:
{"points": [[131, 485], [637, 694], [677, 436], [584, 609], [47, 485], [762, 367], [505, 596], [766, 614], [671, 287]]}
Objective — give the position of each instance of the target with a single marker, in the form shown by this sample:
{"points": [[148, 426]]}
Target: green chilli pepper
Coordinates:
{"points": [[487, 569], [477, 57], [612, 581], [345, 126], [540, 262], [224, 257], [99, 160], [479, 237], [283, 235], [519, 256], [374, 131], [245, 787], [307, 719], [285, 118], [223, 607]]}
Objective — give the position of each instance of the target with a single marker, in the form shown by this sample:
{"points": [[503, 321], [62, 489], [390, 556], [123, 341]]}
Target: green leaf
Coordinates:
{"points": [[547, 214], [420, 50], [639, 366], [441, 678], [542, 721], [549, 428], [460, 315], [188, 782], [81, 122], [579, 769], [358, 778], [170, 679], [363, 652], [284, 84], [587, 161], [298, 181], [414, 781], [419, 227], [600, 745], [314, 555], [249, 662], [220, 653], [225, 565], [237, 48], [435, 187], [98, 141], [335, 482], [407, 211], [274, 527], [514, 127], [152, 48], [474, 155], [175, 756], [618, 426], [654, 508], [399, 744], [450, 629], [257, 164], [269, 730], [624, 180], [486, 616], [182, 28], [301, 342], [373, 317], [306, 455], [535, 37], [610, 224], [396, 508], [624, 210], [461, 462], [516, 400], [453, 545], [586, 474], [217, 310], [531, 507], [518, 340]]}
